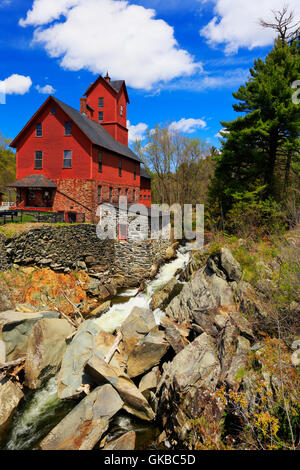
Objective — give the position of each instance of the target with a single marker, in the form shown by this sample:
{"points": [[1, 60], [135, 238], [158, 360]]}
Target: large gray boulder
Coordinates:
{"points": [[198, 364], [46, 346], [75, 358], [134, 402], [10, 397], [231, 267], [15, 329], [83, 427], [138, 324], [199, 300], [147, 353]]}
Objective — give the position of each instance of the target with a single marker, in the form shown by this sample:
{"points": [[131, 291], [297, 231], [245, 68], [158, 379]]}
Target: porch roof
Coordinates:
{"points": [[33, 181]]}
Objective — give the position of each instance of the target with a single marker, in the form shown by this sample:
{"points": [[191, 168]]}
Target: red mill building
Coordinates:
{"points": [[69, 161]]}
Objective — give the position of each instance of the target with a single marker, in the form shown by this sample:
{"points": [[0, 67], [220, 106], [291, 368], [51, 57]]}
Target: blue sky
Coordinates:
{"points": [[181, 59]]}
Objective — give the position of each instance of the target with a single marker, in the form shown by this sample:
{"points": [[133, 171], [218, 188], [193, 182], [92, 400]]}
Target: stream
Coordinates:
{"points": [[41, 410]]}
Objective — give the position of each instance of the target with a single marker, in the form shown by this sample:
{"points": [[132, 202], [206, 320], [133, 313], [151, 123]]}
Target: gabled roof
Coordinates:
{"points": [[96, 133], [33, 181], [116, 85], [145, 174], [92, 129]]}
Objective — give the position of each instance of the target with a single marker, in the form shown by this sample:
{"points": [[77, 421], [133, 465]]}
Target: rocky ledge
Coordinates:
{"points": [[200, 366]]}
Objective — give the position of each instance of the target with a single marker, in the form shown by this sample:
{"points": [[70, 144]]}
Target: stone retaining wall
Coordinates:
{"points": [[65, 248]]}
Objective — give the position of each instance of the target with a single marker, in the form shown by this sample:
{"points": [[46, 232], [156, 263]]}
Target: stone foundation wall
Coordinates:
{"points": [[77, 247]]}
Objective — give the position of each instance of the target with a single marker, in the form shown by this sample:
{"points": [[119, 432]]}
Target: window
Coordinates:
{"points": [[68, 128], [101, 103], [67, 159], [121, 110], [145, 197], [110, 194], [134, 171], [100, 116], [53, 110], [99, 194], [148, 198], [100, 162], [39, 130], [120, 167], [38, 161]]}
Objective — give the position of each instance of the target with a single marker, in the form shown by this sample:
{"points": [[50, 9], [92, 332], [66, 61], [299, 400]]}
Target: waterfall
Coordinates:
{"points": [[42, 409], [118, 313]]}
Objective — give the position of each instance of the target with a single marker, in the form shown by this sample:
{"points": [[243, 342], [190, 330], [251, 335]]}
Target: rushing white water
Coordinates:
{"points": [[43, 410], [118, 313], [35, 416]]}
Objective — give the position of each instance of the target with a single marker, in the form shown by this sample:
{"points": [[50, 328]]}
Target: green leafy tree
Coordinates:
{"points": [[261, 146], [7, 163]]}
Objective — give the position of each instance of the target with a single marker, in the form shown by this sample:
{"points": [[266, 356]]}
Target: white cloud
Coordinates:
{"points": [[188, 126], [227, 79], [136, 132], [15, 85], [45, 90], [219, 135], [97, 35], [236, 23]]}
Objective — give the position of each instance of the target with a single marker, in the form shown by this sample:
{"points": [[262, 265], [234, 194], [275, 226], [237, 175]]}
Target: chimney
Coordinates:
{"points": [[107, 78], [83, 108]]}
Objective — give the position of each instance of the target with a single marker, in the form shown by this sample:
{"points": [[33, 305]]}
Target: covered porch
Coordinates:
{"points": [[34, 192]]}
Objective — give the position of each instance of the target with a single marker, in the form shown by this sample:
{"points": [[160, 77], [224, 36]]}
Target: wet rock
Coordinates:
{"points": [[170, 253], [103, 308], [10, 397], [231, 267], [138, 324], [163, 297], [16, 328], [125, 442], [83, 427], [75, 358], [46, 346], [134, 401], [147, 353]]}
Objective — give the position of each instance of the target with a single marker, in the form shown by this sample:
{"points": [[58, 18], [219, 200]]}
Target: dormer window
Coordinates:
{"points": [[101, 103], [68, 128], [121, 110], [39, 130]]}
